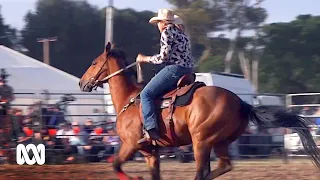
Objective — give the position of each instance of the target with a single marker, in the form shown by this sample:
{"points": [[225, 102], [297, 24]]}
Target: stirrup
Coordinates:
{"points": [[146, 139]]}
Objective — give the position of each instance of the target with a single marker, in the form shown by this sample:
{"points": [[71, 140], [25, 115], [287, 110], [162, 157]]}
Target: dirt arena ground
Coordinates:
{"points": [[253, 170]]}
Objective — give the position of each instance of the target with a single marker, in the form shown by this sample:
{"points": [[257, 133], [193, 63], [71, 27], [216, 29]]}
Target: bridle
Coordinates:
{"points": [[118, 72], [94, 82]]}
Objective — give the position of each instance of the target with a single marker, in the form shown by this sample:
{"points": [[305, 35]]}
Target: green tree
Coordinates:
{"points": [[80, 29], [242, 16], [211, 16], [134, 34], [197, 19], [78, 26], [291, 60]]}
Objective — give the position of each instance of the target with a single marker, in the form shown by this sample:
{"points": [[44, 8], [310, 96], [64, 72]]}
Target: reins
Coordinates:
{"points": [[116, 73]]}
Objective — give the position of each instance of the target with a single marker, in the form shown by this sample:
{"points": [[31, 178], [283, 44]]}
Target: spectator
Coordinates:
{"points": [[317, 120], [306, 111], [63, 130], [17, 120], [6, 91], [6, 97], [34, 115], [88, 125], [75, 134], [56, 118], [61, 140], [76, 140], [87, 129], [27, 119], [98, 116], [101, 142]]}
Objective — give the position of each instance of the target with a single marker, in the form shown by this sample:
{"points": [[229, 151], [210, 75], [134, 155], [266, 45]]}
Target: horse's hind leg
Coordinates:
{"points": [[153, 162], [202, 156], [222, 153], [125, 152], [224, 162]]}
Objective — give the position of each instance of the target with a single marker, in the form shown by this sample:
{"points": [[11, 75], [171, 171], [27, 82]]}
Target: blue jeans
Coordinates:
{"points": [[163, 82]]}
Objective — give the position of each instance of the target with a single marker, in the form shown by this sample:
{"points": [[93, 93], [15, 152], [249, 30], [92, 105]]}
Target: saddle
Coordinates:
{"points": [[181, 96]]}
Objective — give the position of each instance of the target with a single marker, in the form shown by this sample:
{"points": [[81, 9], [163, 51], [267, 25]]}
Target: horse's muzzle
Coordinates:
{"points": [[86, 86]]}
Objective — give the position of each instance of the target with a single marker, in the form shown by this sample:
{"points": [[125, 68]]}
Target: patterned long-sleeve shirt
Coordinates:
{"points": [[175, 48]]}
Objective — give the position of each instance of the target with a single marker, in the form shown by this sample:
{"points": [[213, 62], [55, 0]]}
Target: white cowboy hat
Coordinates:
{"points": [[166, 15]]}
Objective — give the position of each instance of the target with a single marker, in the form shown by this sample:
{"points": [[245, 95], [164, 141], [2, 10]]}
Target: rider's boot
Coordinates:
{"points": [[149, 135]]}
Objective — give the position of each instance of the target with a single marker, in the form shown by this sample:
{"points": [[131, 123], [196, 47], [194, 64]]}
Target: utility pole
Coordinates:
{"points": [[109, 23], [46, 48], [109, 38]]}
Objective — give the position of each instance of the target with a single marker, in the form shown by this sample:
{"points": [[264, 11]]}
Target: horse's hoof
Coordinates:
{"points": [[110, 159], [138, 178]]}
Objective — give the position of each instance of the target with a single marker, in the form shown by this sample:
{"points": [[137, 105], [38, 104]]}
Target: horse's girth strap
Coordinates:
{"points": [[170, 118]]}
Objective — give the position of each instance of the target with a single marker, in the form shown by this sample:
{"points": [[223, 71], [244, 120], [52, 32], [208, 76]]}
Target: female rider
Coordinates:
{"points": [[175, 53]]}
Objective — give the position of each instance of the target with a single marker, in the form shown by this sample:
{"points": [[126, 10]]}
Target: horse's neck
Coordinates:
{"points": [[122, 89]]}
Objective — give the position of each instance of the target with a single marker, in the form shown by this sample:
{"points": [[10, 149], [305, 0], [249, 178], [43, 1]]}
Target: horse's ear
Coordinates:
{"points": [[113, 46], [108, 47]]}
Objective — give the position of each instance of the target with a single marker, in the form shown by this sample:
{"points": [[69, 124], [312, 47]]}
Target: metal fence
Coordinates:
{"points": [[256, 142], [308, 104]]}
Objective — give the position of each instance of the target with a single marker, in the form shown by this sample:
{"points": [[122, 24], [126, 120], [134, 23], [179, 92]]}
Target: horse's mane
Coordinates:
{"points": [[119, 54]]}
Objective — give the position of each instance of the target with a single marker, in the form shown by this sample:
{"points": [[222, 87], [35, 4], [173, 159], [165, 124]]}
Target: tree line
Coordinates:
{"points": [[277, 57]]}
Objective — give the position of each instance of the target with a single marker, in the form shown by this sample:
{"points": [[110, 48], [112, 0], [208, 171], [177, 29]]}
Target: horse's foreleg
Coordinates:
{"points": [[202, 157], [224, 162], [125, 152], [153, 162]]}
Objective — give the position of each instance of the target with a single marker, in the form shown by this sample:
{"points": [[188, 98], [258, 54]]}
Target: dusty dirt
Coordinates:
{"points": [[256, 170]]}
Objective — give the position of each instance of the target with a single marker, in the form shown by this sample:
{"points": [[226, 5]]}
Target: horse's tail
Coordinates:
{"points": [[275, 117]]}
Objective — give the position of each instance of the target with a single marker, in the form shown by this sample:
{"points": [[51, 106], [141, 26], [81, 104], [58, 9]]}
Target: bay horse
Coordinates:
{"points": [[205, 116]]}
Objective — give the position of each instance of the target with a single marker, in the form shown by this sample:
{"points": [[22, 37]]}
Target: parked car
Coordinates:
{"points": [[293, 144]]}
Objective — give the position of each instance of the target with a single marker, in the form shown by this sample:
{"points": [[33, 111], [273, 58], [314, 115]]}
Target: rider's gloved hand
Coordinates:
{"points": [[142, 58]]}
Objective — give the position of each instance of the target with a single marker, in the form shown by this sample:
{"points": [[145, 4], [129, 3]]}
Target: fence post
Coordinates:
{"points": [[288, 100]]}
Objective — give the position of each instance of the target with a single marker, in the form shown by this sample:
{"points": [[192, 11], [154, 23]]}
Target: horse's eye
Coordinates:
{"points": [[94, 63]]}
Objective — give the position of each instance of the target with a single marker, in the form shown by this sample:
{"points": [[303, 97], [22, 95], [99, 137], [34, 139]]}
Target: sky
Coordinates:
{"points": [[14, 11]]}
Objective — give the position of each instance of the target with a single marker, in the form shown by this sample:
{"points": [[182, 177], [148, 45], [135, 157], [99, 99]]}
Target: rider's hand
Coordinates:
{"points": [[141, 58]]}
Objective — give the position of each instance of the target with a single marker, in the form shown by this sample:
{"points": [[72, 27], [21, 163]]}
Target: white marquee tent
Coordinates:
{"points": [[28, 75]]}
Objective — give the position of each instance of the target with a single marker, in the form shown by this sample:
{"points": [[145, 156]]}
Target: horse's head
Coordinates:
{"points": [[100, 68]]}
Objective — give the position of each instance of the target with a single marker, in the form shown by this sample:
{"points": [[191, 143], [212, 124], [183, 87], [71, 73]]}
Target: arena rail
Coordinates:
{"points": [[292, 142], [248, 145]]}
